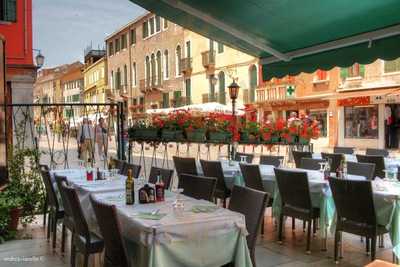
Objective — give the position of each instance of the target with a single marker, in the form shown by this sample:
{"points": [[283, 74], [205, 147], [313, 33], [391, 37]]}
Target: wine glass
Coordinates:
{"points": [[243, 159], [322, 166], [178, 205], [280, 163]]}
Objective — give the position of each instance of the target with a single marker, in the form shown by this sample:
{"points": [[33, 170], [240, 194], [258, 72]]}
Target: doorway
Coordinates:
{"points": [[392, 125]]}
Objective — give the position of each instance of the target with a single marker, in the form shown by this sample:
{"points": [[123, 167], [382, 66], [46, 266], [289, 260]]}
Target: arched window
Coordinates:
{"points": [[134, 81], [159, 67], [153, 68], [178, 60], [166, 65], [221, 93], [253, 82], [147, 69]]}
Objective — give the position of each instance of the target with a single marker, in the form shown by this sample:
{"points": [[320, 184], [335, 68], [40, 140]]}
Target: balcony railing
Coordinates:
{"points": [[208, 58], [153, 82], [186, 65]]}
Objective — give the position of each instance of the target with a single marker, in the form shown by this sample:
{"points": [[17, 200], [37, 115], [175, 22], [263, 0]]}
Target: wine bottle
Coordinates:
{"points": [[160, 188], [129, 189]]}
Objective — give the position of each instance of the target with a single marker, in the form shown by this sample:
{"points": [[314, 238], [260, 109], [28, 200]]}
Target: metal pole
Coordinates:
{"points": [[121, 121], [118, 133]]}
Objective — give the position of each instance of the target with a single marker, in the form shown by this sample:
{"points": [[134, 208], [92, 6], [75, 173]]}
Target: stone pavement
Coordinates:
{"points": [[32, 249]]}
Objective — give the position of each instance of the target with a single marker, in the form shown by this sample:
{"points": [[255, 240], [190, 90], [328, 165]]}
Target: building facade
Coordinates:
{"points": [[154, 63], [71, 84], [95, 78]]}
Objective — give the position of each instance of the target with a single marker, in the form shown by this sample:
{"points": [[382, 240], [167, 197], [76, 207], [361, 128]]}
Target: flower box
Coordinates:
{"points": [[198, 135], [220, 137], [245, 137], [145, 134], [172, 135], [304, 141], [289, 140], [272, 140]]}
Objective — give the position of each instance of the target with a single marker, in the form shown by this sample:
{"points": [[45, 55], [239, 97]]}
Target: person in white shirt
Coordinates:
{"points": [[85, 139]]}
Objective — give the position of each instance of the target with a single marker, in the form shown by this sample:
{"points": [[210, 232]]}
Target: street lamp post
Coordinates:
{"points": [[39, 58], [233, 94]]}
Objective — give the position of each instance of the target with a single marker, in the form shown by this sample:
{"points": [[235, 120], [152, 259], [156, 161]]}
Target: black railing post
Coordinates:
{"points": [[120, 122]]}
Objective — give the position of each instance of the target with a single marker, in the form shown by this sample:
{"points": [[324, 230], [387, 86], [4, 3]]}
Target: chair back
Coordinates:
{"points": [[252, 176], [377, 152], [353, 200], [343, 150], [214, 169], [379, 162], [249, 157], [198, 187], [335, 159], [110, 229], [298, 155], [293, 188], [129, 166], [251, 203], [184, 165], [80, 223], [271, 160], [311, 164], [363, 169], [65, 203], [166, 175], [50, 191]]}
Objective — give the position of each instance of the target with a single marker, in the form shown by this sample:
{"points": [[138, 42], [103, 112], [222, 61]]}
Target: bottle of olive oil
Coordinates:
{"points": [[129, 189]]}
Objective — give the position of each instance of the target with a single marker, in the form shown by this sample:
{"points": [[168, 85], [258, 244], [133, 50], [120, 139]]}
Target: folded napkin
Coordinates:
{"points": [[203, 208], [150, 216]]}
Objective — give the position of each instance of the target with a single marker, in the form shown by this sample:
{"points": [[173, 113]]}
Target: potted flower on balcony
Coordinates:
{"points": [[196, 131], [220, 127], [174, 126]]}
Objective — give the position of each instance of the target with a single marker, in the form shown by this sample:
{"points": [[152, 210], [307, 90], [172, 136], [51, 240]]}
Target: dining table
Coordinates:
{"points": [[158, 234], [389, 161]]}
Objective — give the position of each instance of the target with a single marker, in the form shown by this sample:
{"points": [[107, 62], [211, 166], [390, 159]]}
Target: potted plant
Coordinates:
{"points": [[250, 131], [220, 127], [196, 131], [308, 131], [10, 211], [290, 133], [175, 125], [142, 130]]}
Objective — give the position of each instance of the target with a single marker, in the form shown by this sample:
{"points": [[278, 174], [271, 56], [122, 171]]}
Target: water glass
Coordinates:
{"points": [[178, 206]]}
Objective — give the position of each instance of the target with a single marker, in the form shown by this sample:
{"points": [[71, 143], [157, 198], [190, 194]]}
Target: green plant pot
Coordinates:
{"points": [[220, 137], [273, 140], [172, 135], [244, 137], [146, 134], [291, 140], [304, 141], [198, 135]]}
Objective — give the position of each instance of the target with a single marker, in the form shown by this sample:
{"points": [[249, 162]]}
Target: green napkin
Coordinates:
{"points": [[150, 216], [203, 208]]}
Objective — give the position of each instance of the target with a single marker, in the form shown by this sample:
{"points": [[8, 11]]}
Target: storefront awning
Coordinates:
{"points": [[293, 36]]}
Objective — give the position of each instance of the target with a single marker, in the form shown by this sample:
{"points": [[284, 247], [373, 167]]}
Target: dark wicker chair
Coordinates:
{"points": [[298, 155], [56, 211], [335, 159], [83, 240], [363, 169], [379, 162], [252, 179], [110, 229], [296, 200], [44, 167], [377, 152], [271, 160], [166, 175], [129, 166], [355, 210], [184, 165], [250, 203], [311, 164], [249, 157], [198, 187], [214, 169], [343, 150], [68, 221], [117, 164]]}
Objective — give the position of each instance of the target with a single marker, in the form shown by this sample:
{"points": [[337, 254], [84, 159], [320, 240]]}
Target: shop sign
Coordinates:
{"points": [[290, 91], [385, 99], [354, 101]]}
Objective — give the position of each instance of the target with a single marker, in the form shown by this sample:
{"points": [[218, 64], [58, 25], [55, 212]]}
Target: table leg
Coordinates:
{"points": [[341, 246]]}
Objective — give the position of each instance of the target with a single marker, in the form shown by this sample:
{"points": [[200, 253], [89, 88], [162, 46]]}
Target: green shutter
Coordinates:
{"points": [[362, 70], [188, 91], [344, 73], [220, 48], [10, 10]]}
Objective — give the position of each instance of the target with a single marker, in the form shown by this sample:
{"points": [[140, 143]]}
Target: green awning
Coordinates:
{"points": [[293, 36]]}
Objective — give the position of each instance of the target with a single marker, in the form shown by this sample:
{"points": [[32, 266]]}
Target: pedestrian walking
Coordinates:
{"points": [[86, 135], [101, 139]]}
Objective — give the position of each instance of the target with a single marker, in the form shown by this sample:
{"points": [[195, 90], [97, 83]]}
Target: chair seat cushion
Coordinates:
{"points": [[362, 229], [96, 243]]}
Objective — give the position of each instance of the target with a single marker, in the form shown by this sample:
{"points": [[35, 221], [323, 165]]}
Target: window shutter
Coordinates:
{"points": [[10, 10], [344, 73], [362, 70]]}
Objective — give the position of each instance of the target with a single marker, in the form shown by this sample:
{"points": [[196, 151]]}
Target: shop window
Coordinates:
{"points": [[392, 66], [322, 117], [361, 122]]}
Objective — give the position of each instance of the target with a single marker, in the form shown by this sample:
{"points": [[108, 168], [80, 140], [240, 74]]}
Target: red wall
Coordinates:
{"points": [[18, 35]]}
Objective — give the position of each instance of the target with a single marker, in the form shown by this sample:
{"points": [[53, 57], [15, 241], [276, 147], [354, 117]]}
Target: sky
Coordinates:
{"points": [[62, 29]]}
